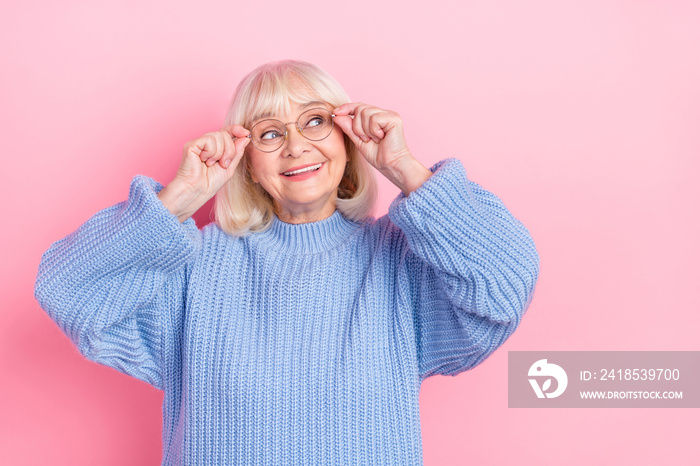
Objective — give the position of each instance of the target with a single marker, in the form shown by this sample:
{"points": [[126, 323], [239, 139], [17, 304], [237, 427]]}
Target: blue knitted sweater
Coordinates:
{"points": [[303, 344]]}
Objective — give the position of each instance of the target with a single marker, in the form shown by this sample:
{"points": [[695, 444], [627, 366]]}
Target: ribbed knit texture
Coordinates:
{"points": [[304, 344]]}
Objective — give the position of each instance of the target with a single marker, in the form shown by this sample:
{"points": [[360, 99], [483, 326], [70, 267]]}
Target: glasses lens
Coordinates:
{"points": [[316, 124], [268, 135]]}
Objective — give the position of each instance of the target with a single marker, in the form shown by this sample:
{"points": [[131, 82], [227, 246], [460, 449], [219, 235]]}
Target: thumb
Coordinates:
{"points": [[239, 146], [345, 123]]}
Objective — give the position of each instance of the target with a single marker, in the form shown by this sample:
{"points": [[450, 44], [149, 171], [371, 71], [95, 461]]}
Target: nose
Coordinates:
{"points": [[295, 144]]}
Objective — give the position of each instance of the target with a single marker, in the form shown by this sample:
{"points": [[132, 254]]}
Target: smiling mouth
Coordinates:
{"points": [[311, 168]]}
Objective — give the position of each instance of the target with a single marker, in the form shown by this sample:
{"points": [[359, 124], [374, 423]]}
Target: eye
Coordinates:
{"points": [[270, 135], [314, 121]]}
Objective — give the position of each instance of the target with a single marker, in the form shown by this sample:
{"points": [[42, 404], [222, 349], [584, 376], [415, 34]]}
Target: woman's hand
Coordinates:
{"points": [[377, 133], [378, 136], [208, 162]]}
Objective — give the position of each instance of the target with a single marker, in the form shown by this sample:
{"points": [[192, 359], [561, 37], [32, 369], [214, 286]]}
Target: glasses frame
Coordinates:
{"points": [[286, 133]]}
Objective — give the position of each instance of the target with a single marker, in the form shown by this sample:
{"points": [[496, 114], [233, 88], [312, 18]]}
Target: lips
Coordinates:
{"points": [[308, 168]]}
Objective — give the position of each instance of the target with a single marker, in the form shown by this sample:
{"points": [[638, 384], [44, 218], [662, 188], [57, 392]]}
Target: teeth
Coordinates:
{"points": [[304, 170]]}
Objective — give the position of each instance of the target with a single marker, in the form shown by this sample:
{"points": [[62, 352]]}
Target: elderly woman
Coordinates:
{"points": [[296, 328]]}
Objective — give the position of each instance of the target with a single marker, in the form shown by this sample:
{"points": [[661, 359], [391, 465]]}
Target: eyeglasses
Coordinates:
{"points": [[314, 124]]}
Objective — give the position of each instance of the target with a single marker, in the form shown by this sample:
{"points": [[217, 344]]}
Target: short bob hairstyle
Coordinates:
{"points": [[242, 206]]}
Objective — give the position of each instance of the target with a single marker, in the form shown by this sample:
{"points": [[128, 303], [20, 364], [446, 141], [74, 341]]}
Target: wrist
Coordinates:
{"points": [[408, 174], [181, 200]]}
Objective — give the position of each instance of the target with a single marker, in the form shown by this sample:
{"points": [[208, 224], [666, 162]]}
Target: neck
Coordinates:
{"points": [[307, 238], [297, 216]]}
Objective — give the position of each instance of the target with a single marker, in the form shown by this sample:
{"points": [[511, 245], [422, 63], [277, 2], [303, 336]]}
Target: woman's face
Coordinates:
{"points": [[304, 197]]}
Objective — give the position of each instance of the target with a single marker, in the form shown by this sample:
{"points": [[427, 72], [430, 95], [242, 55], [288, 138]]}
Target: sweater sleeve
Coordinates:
{"points": [[115, 283], [469, 269]]}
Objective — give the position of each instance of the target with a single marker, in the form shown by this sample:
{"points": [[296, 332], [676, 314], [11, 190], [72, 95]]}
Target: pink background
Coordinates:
{"points": [[582, 116]]}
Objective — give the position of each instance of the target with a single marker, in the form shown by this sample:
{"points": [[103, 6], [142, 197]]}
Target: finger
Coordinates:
{"points": [[229, 150], [346, 108], [240, 145], [238, 148], [376, 124], [357, 124], [345, 123], [204, 147], [219, 152], [369, 122], [236, 131]]}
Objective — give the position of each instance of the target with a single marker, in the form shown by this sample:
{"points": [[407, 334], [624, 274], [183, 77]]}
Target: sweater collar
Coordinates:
{"points": [[308, 238]]}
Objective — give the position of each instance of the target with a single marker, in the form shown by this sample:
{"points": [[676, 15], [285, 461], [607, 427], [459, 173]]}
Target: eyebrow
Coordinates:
{"points": [[262, 116], [310, 104]]}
